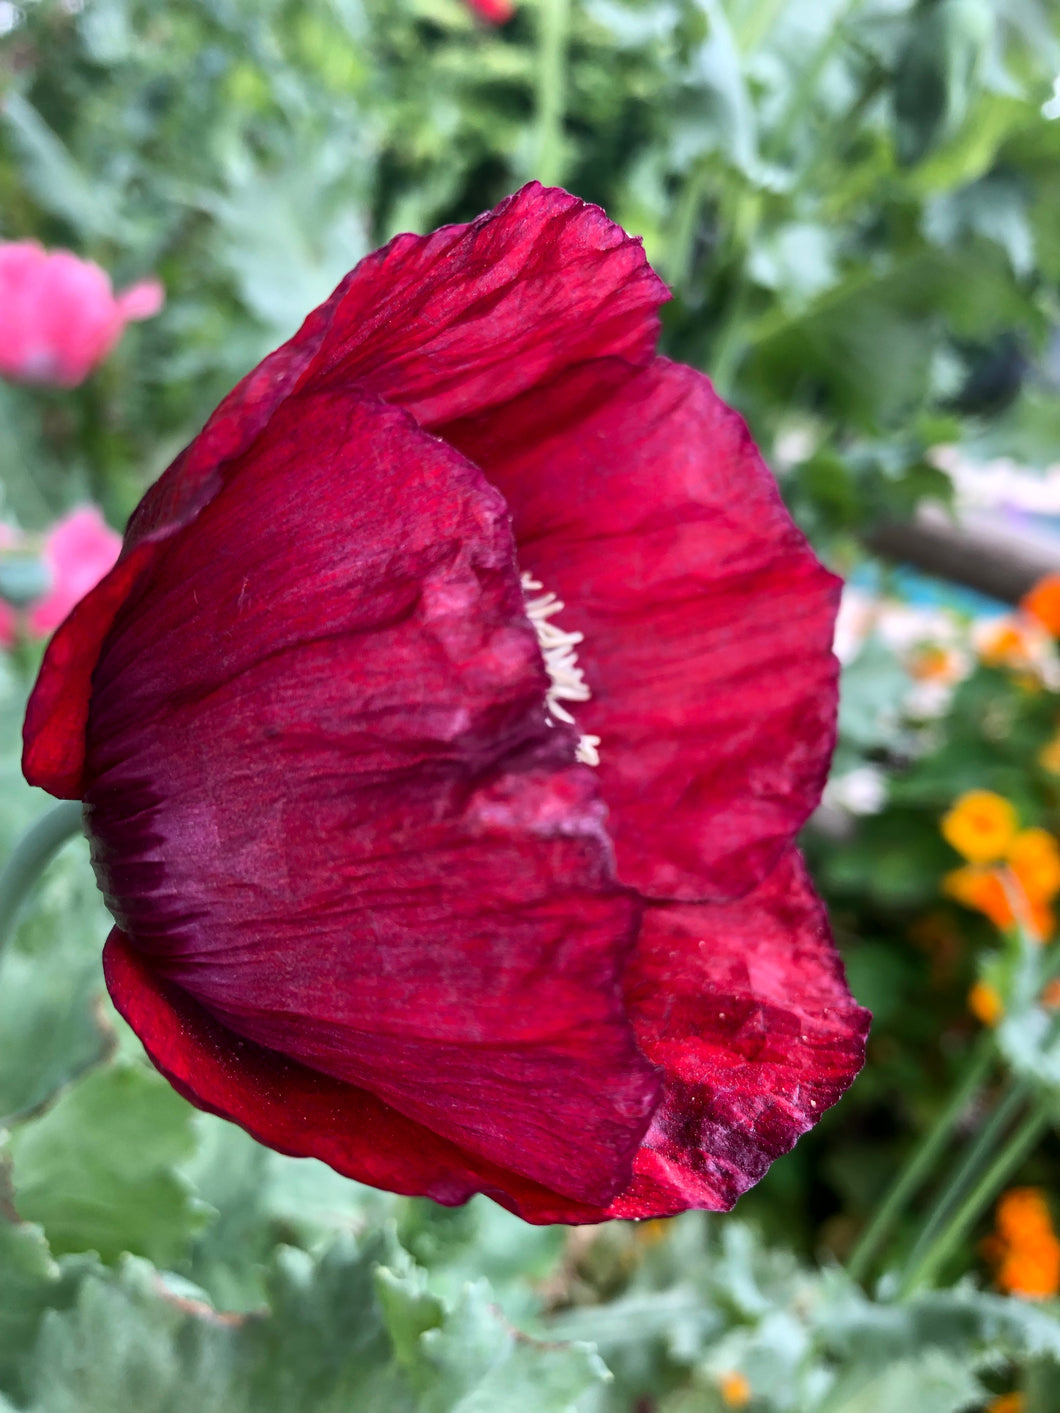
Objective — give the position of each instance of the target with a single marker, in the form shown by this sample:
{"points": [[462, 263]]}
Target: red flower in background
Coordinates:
{"points": [[60, 317], [497, 12], [328, 727]]}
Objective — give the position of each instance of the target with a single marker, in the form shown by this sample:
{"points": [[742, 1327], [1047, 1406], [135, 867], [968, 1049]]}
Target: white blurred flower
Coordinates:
{"points": [[853, 623], [1001, 482], [793, 446], [862, 790]]}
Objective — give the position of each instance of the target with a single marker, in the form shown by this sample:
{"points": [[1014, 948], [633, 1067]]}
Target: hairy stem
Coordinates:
{"points": [[29, 858], [922, 1160], [984, 1192], [553, 29]]}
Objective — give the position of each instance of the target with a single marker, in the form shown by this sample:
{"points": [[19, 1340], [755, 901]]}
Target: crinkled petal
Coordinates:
{"points": [[54, 731], [745, 1007], [470, 316], [325, 800], [639, 498], [300, 1111], [444, 325]]}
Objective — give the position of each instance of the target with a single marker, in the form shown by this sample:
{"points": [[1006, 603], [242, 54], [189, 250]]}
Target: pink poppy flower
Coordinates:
{"points": [[59, 316], [79, 550], [443, 731]]}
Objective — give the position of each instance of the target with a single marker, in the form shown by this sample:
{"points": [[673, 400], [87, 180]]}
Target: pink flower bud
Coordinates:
{"points": [[59, 316]]}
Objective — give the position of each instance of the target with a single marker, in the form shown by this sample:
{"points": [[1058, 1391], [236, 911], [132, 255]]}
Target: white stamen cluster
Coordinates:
{"points": [[561, 660]]}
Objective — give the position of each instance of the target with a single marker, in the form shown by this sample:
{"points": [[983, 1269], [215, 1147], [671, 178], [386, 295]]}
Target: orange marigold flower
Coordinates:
{"points": [[1022, 1215], [1007, 1403], [980, 826], [1035, 859], [983, 890], [1043, 603], [1024, 1249], [735, 1390], [985, 1003]]}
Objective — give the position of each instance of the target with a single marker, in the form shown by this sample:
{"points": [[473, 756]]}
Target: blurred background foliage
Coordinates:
{"points": [[857, 205]]}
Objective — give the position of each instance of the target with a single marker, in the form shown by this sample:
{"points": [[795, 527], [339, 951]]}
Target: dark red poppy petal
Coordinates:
{"points": [[443, 324], [745, 1007], [639, 498], [53, 733], [54, 730], [470, 316], [299, 1111], [324, 798]]}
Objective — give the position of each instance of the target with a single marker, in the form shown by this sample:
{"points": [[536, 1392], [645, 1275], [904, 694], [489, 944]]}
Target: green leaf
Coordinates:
{"points": [[262, 1198], [354, 1329], [97, 1169], [471, 1361], [929, 1383], [937, 72], [325, 1344], [996, 208], [229, 1171], [52, 174], [31, 1282], [289, 234], [130, 1343], [52, 1023]]}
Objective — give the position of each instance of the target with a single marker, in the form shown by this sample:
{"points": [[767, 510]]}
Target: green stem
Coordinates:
{"points": [[979, 1152], [686, 223], [30, 857], [984, 1192], [922, 1160], [553, 28], [759, 21], [1039, 1386]]}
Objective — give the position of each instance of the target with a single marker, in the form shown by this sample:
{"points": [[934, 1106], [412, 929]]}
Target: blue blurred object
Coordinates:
{"points": [[911, 586]]}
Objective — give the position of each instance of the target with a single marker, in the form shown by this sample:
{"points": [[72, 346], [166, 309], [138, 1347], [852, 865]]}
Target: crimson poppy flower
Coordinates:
{"points": [[442, 732], [61, 316]]}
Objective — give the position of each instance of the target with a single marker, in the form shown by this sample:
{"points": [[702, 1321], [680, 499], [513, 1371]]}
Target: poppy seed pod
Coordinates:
{"points": [[442, 732]]}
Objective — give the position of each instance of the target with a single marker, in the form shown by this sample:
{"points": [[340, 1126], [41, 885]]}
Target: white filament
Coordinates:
{"points": [[561, 660]]}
